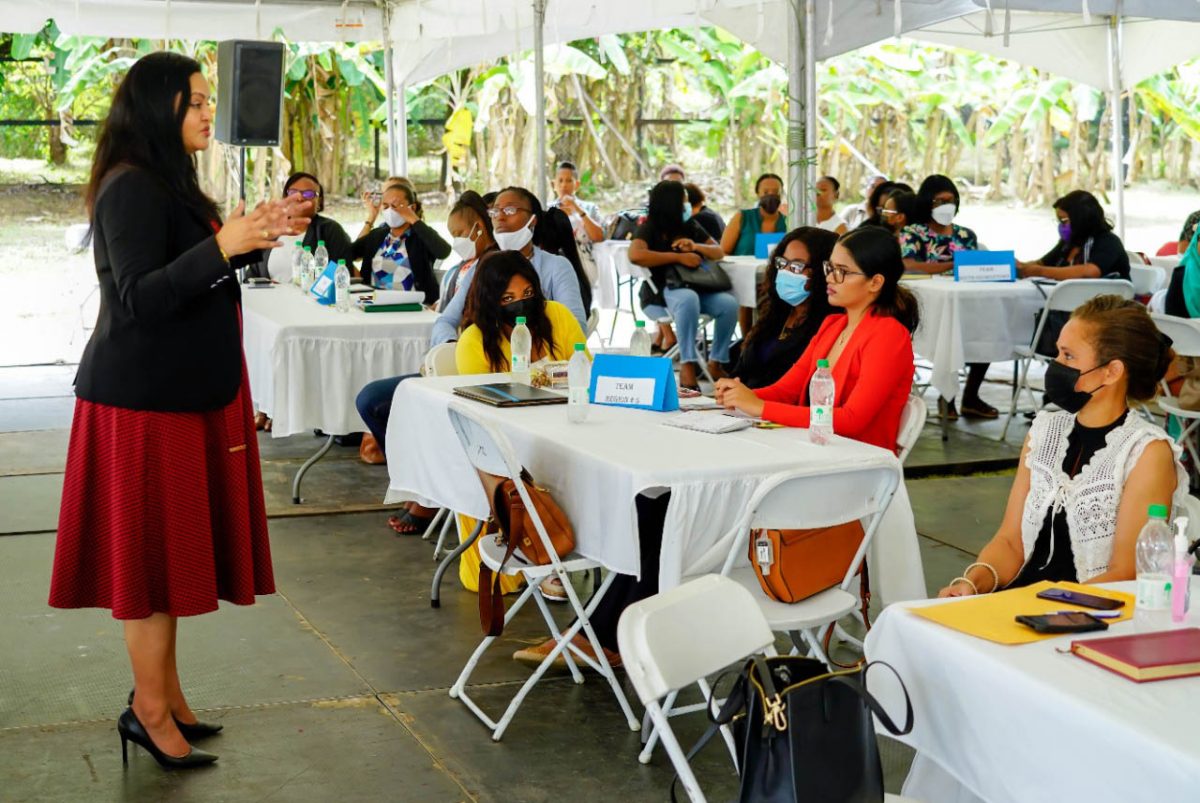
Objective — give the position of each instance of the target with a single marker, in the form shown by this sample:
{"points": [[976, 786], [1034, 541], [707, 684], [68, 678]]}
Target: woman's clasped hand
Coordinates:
{"points": [[733, 395], [262, 227]]}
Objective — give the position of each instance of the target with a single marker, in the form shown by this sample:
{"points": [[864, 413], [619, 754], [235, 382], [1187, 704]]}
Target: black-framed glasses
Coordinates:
{"points": [[506, 211], [307, 195], [838, 275], [792, 266]]}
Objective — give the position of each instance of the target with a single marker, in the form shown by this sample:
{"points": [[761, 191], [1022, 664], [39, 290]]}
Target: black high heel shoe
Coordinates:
{"points": [[130, 729], [197, 730]]}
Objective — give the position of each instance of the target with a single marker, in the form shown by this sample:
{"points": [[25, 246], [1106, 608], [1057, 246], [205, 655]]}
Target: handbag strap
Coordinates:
{"points": [[491, 596], [735, 702], [860, 688]]}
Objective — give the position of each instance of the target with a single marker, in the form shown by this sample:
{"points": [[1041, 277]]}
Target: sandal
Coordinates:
{"points": [[979, 409], [262, 422], [552, 590], [408, 524]]}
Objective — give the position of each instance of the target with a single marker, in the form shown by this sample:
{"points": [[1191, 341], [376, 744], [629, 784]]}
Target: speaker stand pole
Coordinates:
{"points": [[242, 173]]}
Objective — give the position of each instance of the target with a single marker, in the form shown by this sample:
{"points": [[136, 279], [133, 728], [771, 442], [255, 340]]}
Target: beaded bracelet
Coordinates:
{"points": [[224, 255], [967, 580], [990, 568]]}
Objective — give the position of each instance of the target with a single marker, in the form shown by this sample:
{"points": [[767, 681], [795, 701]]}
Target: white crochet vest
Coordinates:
{"points": [[1092, 497]]}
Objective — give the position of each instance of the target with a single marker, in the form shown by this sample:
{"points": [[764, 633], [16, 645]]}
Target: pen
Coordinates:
{"points": [[1097, 614]]}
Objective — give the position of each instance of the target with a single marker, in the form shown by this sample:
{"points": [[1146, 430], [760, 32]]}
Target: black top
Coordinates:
{"points": [[1174, 303], [337, 243], [168, 336], [425, 246], [661, 241], [711, 221], [1059, 565], [1106, 252], [764, 360]]}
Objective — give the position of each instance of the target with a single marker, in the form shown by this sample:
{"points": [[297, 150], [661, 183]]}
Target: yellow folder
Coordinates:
{"points": [[993, 616]]}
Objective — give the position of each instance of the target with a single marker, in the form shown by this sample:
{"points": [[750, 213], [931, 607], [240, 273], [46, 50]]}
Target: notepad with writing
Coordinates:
{"points": [[1142, 657]]}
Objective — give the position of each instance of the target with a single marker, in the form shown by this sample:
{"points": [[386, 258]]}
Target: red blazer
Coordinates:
{"points": [[872, 380]]}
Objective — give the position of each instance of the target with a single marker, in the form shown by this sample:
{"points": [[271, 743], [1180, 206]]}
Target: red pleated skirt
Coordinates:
{"points": [[162, 512]]}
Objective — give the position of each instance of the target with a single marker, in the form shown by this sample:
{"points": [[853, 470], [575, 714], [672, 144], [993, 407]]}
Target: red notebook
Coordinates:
{"points": [[1146, 656]]}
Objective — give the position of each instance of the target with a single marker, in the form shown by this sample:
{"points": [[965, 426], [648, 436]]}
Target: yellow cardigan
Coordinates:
{"points": [[470, 358]]}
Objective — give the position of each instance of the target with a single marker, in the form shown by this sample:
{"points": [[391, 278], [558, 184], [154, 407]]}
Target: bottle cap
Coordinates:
{"points": [[520, 320], [320, 243], [822, 363], [341, 262], [1158, 512], [308, 249], [580, 346], [299, 243], [639, 324]]}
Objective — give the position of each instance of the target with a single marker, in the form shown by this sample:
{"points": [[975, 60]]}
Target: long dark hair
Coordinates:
{"points": [[930, 187], [492, 275], [1086, 215], [554, 234], [876, 251], [144, 130], [773, 312], [665, 209], [878, 196]]}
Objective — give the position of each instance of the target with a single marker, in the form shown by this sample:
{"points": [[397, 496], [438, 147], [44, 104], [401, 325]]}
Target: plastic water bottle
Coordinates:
{"points": [[820, 404], [579, 379], [321, 257], [639, 344], [1155, 557], [297, 262], [521, 344], [306, 269], [341, 286]]}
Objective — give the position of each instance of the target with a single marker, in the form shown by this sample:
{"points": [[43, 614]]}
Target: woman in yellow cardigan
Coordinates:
{"points": [[505, 288]]}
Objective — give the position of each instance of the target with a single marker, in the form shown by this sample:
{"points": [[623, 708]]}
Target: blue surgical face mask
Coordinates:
{"points": [[792, 287], [687, 213]]}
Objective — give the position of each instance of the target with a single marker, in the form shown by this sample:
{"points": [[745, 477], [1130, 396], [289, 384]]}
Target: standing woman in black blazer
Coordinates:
{"points": [[162, 509], [405, 239]]}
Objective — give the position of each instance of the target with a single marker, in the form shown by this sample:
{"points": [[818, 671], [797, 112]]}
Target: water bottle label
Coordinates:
{"points": [[1153, 593], [821, 415], [577, 396], [519, 363]]}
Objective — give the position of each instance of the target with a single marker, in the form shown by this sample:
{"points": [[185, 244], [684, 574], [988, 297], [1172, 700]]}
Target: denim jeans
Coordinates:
{"points": [[685, 306]]}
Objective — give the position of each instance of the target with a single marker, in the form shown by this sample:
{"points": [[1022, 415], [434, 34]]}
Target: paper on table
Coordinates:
{"points": [[703, 421], [993, 616], [383, 297]]}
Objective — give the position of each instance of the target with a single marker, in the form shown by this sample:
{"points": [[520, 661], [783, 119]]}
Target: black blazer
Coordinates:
{"points": [[337, 243], [425, 247], [168, 336]]}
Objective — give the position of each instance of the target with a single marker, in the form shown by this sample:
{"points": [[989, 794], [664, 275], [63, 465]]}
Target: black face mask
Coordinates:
{"points": [[770, 203], [519, 309], [1060, 387]]}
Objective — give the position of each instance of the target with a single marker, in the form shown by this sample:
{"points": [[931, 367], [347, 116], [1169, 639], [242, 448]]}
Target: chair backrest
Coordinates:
{"points": [[592, 322], [912, 421], [1067, 295], [439, 360], [658, 639], [1167, 263], [1191, 509], [819, 497], [1145, 278], [1184, 333], [1136, 258], [490, 451]]}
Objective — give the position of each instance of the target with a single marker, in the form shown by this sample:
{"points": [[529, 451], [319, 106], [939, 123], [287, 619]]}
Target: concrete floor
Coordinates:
{"points": [[335, 688]]}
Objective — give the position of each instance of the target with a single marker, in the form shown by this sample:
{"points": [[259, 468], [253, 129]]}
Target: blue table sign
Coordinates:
{"points": [[763, 243], [323, 289], [985, 266], [646, 383]]}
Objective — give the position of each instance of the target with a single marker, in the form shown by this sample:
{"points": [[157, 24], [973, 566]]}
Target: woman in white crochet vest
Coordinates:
{"points": [[1088, 473]]}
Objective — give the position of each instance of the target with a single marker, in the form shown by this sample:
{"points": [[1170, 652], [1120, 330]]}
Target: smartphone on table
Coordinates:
{"points": [[1082, 600]]}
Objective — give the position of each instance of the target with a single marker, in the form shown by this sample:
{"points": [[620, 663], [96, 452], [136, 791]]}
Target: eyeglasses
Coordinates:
{"points": [[792, 265], [507, 211], [838, 275], [307, 195], [888, 212]]}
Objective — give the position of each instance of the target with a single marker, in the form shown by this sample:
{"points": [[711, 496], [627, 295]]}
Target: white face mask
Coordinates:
{"points": [[944, 215], [515, 240], [464, 246], [392, 218]]}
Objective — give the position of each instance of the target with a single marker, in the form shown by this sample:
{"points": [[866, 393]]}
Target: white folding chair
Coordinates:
{"points": [[1146, 279], [490, 452], [1185, 337], [1136, 258], [592, 322], [1063, 296], [912, 421], [662, 653]]}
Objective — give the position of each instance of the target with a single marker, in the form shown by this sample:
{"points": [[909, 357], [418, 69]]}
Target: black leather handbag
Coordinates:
{"points": [[805, 734], [710, 277]]}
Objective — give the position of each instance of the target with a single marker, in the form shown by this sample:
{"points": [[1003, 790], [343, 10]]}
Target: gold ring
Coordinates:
{"points": [[266, 234]]}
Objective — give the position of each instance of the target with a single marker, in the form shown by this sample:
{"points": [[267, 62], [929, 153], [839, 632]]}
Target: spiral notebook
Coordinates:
{"points": [[708, 421]]}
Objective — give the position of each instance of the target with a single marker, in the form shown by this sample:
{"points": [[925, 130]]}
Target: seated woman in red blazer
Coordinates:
{"points": [[869, 347]]}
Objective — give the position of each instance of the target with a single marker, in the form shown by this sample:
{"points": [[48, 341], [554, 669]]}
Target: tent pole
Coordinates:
{"points": [[811, 134], [390, 83], [1116, 81], [401, 132], [539, 77], [797, 137]]}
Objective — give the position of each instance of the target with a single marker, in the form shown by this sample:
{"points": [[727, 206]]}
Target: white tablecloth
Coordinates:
{"points": [[597, 469], [1027, 723], [307, 362], [612, 263], [964, 322]]}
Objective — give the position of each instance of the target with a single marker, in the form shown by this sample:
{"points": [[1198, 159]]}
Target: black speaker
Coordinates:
{"points": [[249, 92]]}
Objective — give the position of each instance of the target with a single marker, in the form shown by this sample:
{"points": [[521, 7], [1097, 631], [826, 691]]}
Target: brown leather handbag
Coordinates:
{"points": [[517, 531], [793, 565]]}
